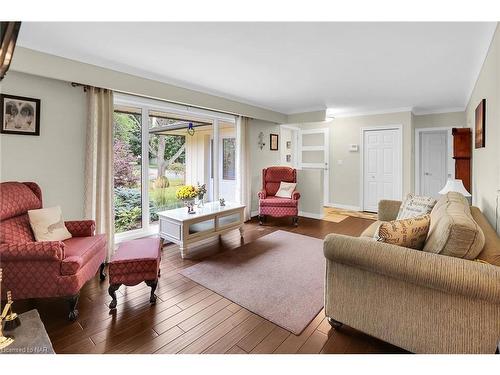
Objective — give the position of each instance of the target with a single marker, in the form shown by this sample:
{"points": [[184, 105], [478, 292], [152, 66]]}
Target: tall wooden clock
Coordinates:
{"points": [[462, 153]]}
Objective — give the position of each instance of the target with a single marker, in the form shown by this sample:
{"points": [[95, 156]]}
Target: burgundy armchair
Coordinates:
{"points": [[269, 204], [45, 269]]}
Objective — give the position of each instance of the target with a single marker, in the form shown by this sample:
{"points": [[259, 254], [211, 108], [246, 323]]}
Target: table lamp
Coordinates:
{"points": [[458, 186]]}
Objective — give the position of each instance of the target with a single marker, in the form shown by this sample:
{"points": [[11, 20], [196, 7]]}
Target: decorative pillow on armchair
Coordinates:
{"points": [[48, 224], [286, 189], [414, 206], [410, 233]]}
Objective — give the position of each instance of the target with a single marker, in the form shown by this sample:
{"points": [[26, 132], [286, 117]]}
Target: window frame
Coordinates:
{"points": [[146, 105]]}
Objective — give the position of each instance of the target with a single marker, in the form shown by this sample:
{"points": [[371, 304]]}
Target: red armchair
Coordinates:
{"points": [[45, 269], [269, 204]]}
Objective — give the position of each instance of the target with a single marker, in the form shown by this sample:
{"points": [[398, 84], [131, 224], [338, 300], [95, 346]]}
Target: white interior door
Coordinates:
{"points": [[433, 162], [381, 167], [313, 153]]}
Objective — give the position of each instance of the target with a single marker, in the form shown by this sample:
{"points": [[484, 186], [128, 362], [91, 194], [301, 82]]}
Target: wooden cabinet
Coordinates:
{"points": [[462, 153]]}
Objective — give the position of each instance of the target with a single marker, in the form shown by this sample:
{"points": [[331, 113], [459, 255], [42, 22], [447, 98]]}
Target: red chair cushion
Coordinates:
{"points": [[135, 261], [16, 230], [277, 202], [16, 199], [79, 251], [274, 175]]}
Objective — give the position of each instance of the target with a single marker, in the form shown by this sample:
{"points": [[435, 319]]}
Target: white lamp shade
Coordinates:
{"points": [[455, 185]]}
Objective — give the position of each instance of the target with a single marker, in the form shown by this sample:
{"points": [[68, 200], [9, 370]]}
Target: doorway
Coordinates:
{"points": [[434, 163], [381, 166]]}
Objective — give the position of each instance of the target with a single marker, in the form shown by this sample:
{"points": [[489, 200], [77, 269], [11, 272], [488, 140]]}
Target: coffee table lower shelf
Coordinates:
{"points": [[211, 220]]}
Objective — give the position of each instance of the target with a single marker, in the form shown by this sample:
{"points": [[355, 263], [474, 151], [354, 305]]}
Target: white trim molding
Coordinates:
{"points": [[309, 215], [343, 206]]}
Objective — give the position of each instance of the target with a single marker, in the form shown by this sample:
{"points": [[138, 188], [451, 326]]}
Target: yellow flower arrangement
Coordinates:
{"points": [[186, 192]]}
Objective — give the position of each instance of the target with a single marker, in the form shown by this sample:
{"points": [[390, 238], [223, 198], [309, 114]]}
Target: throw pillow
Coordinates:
{"points": [[48, 224], [286, 189], [414, 206], [410, 233]]}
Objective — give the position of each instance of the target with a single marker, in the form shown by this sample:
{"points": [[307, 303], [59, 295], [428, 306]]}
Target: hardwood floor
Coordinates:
{"points": [[189, 318]]}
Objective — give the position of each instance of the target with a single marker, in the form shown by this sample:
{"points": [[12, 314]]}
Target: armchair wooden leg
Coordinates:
{"points": [[112, 292], [295, 220], [73, 301], [153, 284], [261, 219], [102, 271], [498, 348], [334, 323]]}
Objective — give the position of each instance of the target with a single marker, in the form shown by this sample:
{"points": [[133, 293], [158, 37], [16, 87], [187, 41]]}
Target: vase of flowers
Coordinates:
{"points": [[187, 194], [201, 191]]}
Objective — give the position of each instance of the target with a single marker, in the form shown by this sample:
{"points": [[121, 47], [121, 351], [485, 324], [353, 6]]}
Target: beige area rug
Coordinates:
{"points": [[279, 276]]}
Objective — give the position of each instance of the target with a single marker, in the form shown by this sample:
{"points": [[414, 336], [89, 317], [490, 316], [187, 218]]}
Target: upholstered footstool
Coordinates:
{"points": [[134, 262]]}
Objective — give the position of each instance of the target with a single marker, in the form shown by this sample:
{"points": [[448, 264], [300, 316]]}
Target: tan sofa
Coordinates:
{"points": [[418, 300]]}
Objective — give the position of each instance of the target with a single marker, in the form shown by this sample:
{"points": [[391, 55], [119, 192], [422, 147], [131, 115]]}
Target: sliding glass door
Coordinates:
{"points": [[158, 148]]}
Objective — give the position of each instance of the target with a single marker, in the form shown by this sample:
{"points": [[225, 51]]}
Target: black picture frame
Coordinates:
{"points": [[35, 105], [273, 142]]}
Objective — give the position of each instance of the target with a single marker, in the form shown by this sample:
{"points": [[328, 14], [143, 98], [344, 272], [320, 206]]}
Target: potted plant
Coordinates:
{"points": [[187, 194]]}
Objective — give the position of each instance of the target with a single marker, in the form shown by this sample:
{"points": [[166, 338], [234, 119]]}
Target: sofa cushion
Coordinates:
{"points": [[410, 233], [491, 250], [79, 250], [453, 231], [414, 206], [277, 202], [16, 199], [371, 230]]}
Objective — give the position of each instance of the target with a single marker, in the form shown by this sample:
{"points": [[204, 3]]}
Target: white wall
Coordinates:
{"points": [[55, 159], [42, 64], [486, 161], [260, 159], [440, 120]]}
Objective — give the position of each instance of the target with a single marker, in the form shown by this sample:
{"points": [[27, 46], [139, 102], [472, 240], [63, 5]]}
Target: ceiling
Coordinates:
{"points": [[288, 67]]}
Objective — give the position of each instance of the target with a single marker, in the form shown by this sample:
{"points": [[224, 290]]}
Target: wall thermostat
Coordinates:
{"points": [[353, 148]]}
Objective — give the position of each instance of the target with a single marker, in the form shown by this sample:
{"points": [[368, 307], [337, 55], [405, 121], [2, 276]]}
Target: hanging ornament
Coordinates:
{"points": [[190, 130]]}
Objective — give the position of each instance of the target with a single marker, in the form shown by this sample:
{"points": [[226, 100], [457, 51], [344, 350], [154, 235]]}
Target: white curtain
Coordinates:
{"points": [[243, 178], [99, 163]]}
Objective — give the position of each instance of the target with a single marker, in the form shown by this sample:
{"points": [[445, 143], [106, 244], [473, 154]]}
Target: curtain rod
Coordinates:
{"points": [[86, 87]]}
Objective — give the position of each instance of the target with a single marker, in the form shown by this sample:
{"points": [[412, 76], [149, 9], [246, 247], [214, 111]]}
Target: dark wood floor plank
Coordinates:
{"points": [[204, 314], [271, 341], [190, 318], [293, 343], [202, 343], [230, 339], [192, 335], [186, 314], [250, 341], [314, 343]]}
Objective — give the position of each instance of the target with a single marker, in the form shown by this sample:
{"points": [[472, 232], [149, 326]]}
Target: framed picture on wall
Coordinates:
{"points": [[480, 135], [19, 115], [273, 142]]}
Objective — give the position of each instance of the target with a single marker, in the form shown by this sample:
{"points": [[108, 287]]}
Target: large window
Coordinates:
{"points": [[127, 150], [155, 155]]}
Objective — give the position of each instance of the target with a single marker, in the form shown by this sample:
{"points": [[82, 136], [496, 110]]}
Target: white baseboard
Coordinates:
{"points": [[301, 213], [344, 206], [311, 215]]}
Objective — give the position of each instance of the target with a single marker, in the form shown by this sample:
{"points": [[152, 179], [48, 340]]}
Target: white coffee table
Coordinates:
{"points": [[212, 219]]}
